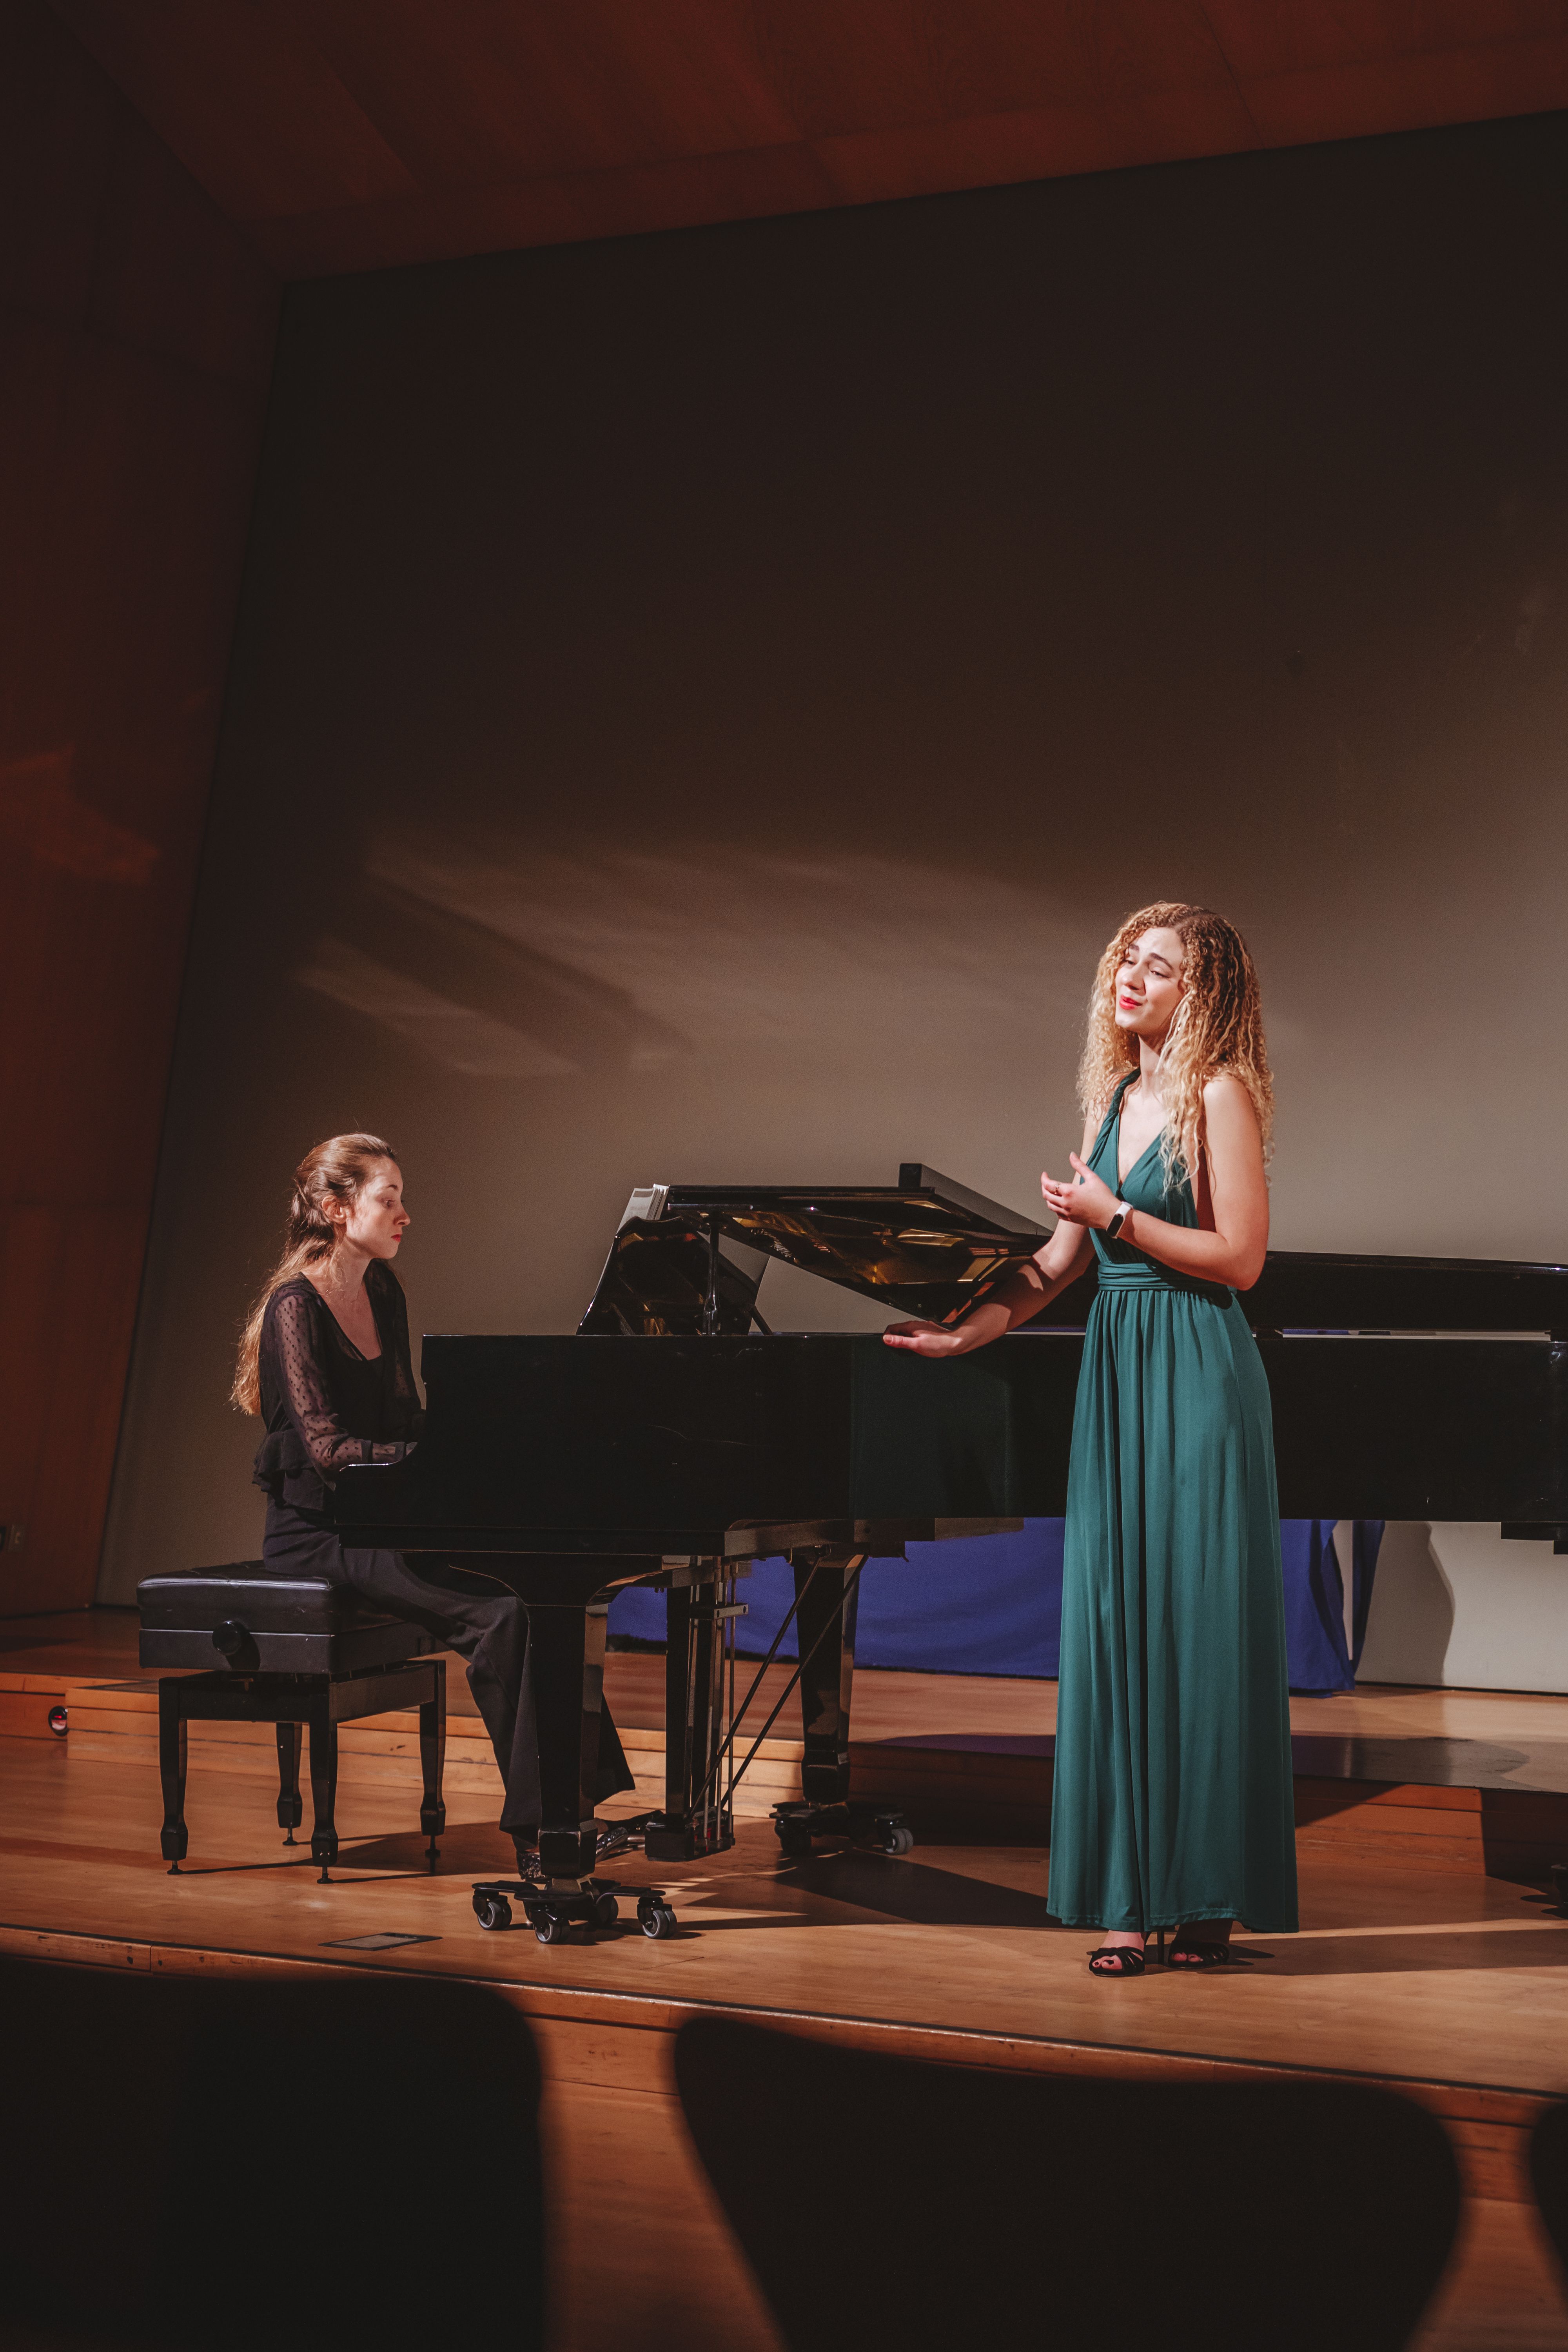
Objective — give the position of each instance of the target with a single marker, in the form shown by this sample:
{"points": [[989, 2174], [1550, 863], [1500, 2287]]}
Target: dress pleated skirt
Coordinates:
{"points": [[1172, 1796]]}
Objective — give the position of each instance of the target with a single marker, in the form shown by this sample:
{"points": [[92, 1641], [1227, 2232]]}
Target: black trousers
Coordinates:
{"points": [[482, 1620]]}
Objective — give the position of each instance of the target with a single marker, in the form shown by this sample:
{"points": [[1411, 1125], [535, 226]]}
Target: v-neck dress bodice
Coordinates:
{"points": [[1173, 1797], [1146, 1187]]}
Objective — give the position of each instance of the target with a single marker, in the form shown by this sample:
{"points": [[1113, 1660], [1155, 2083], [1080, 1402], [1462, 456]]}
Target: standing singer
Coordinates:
{"points": [[1173, 1803]]}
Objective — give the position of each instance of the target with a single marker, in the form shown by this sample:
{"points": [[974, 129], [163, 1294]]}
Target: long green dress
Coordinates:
{"points": [[1173, 1797]]}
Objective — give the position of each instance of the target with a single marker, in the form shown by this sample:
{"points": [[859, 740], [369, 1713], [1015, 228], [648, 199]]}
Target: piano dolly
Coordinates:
{"points": [[553, 1907], [799, 1825]]}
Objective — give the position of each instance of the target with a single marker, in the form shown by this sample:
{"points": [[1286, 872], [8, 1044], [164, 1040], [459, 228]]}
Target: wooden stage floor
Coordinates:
{"points": [[1413, 1965]]}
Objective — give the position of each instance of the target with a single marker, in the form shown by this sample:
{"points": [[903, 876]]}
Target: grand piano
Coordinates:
{"points": [[677, 1438]]}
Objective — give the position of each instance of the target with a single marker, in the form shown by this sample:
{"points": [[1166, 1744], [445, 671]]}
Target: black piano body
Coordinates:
{"points": [[675, 1439]]}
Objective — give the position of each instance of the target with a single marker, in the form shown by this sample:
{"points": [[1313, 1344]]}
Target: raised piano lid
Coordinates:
{"points": [[929, 1246], [689, 1258]]}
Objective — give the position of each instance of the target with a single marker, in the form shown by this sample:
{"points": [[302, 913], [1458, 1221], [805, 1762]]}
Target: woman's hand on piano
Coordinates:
{"points": [[945, 1339]]}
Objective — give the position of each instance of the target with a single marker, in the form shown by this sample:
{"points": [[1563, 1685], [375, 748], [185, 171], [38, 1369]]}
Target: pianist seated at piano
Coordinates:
{"points": [[1173, 1803], [324, 1360]]}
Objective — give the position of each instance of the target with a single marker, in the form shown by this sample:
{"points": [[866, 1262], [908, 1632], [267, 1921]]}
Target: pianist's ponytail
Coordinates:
{"points": [[335, 1168], [1218, 1027]]}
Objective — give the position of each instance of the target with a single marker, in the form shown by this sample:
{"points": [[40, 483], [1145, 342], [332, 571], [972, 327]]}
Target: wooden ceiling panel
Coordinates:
{"points": [[594, 86], [1412, 91], [355, 134], [891, 64], [263, 121], [1288, 37], [694, 68], [1041, 144], [878, 67]]}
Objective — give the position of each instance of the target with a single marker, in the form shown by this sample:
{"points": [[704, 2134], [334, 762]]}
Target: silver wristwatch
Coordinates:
{"points": [[1124, 1211]]}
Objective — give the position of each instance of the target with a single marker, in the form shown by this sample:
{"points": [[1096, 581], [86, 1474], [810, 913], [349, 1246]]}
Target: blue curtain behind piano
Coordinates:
{"points": [[991, 1604], [1315, 1600]]}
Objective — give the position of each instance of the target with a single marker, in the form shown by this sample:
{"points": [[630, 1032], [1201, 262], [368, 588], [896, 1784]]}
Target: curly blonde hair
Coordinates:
{"points": [[1218, 1027]]}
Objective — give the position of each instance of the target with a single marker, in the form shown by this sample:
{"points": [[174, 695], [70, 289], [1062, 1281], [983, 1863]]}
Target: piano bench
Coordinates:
{"points": [[295, 1652]]}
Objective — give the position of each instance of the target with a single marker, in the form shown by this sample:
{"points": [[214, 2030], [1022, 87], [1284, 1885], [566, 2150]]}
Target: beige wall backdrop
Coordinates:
{"points": [[703, 701]]}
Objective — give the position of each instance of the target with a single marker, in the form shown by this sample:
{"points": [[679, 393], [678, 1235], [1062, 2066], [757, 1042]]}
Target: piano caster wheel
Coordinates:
{"points": [[656, 1920], [493, 1910], [896, 1837], [794, 1838], [550, 1930], [606, 1911]]}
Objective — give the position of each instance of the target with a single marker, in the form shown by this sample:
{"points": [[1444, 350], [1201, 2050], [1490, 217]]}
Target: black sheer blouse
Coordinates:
{"points": [[324, 1403]]}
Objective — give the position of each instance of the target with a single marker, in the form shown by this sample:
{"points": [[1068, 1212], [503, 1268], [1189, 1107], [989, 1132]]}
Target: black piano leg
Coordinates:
{"points": [[677, 1726], [323, 1782], [432, 1760], [566, 1663], [176, 1838], [291, 1804], [693, 1821], [827, 1607]]}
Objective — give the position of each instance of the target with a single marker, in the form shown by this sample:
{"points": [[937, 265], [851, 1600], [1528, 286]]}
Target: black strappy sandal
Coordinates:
{"points": [[1197, 1957], [1129, 1960]]}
